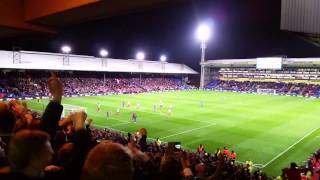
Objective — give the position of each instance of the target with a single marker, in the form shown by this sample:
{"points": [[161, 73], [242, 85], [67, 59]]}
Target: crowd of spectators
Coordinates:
{"points": [[308, 171], [51, 147], [313, 165], [202, 163], [21, 84], [293, 89]]}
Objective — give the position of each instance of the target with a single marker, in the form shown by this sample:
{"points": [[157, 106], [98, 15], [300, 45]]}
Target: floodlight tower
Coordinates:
{"points": [[103, 53], [140, 55], [203, 34], [65, 58], [66, 49], [163, 58]]}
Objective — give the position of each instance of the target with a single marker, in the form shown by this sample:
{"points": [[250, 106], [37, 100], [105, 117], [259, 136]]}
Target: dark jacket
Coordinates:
{"points": [[50, 118]]}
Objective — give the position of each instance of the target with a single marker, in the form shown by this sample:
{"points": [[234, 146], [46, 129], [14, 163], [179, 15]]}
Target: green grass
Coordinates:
{"points": [[258, 127]]}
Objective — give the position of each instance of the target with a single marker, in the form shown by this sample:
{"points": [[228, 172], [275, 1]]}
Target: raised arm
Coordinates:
{"points": [[52, 113]]}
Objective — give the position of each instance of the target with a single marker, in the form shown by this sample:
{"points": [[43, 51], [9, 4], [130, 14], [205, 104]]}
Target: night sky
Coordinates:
{"points": [[241, 29]]}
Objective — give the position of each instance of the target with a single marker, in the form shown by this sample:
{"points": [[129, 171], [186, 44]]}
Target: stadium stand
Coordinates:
{"points": [[28, 84], [68, 141], [75, 142], [71, 147], [292, 89], [296, 77]]}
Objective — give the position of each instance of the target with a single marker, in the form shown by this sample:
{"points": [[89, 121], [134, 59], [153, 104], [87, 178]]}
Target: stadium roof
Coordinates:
{"points": [[24, 16], [57, 61], [241, 29], [251, 63]]}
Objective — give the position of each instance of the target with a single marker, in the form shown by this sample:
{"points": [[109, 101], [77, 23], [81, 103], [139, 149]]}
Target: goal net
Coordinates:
{"points": [[267, 91], [68, 108]]}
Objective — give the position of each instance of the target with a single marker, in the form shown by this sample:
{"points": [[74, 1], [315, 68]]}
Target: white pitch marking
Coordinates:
{"points": [[190, 130], [276, 157], [120, 124]]}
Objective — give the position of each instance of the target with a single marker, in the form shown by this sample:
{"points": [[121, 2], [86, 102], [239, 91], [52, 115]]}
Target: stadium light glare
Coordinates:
{"points": [[163, 58], [203, 32], [66, 49], [104, 53], [140, 55]]}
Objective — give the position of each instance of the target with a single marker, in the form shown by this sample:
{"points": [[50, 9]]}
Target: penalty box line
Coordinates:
{"points": [[190, 130], [290, 147], [119, 124]]}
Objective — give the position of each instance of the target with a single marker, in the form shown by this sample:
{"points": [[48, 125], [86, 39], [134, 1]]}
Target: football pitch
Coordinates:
{"points": [[271, 131]]}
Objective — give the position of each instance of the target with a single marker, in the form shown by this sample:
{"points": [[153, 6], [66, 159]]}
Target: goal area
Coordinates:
{"points": [[267, 91], [68, 108]]}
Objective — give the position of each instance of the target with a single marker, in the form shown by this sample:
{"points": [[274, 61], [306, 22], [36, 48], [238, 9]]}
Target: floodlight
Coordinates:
{"points": [[104, 53], [163, 58], [66, 49], [203, 32], [140, 56]]}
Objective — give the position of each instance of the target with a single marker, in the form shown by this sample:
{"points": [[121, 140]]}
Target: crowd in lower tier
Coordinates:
{"points": [[21, 85], [48, 147], [293, 89]]}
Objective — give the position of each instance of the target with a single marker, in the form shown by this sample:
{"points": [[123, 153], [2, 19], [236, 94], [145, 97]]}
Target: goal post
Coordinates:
{"points": [[267, 91], [68, 108]]}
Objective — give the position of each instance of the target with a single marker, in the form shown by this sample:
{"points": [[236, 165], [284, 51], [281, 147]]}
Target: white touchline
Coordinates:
{"points": [[273, 159], [183, 132], [123, 120], [208, 122], [120, 124]]}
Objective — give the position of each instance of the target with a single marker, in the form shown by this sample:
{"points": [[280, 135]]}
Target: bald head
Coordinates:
{"points": [[29, 148], [108, 161]]}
